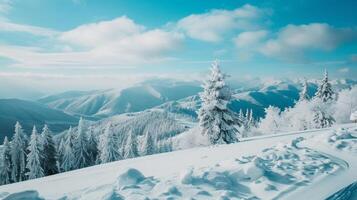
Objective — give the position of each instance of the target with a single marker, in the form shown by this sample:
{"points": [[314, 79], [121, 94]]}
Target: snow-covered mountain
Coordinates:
{"points": [[175, 117], [30, 113], [313, 164], [169, 94], [104, 103]]}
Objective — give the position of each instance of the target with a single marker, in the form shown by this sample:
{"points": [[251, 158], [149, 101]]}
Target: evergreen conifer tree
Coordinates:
{"points": [[109, 146], [303, 96], [131, 146], [215, 118], [68, 158], [34, 165], [148, 144], [325, 92], [80, 147], [18, 154], [49, 163], [5, 167], [92, 146]]}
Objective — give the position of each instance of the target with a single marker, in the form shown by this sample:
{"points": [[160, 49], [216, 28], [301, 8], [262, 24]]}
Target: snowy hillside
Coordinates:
{"points": [[300, 165]]}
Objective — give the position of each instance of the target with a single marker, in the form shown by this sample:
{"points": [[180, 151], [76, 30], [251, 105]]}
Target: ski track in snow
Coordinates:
{"points": [[298, 165]]}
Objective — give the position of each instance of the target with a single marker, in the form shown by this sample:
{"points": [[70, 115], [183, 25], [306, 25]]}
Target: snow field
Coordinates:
{"points": [[261, 168]]}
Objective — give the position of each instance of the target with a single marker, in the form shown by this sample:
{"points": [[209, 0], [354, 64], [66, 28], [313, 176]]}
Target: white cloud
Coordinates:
{"points": [[6, 26], [293, 40], [213, 25], [344, 70], [248, 42], [250, 38], [102, 33], [115, 42]]}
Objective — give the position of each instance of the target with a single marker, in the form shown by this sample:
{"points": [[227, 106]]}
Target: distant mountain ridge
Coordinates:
{"points": [[105, 103], [30, 113]]}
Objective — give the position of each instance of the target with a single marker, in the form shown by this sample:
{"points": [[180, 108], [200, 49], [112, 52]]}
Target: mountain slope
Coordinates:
{"points": [[30, 113], [101, 104], [303, 165]]}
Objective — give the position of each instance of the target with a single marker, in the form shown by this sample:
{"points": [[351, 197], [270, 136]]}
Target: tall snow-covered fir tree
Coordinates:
{"points": [[250, 119], [325, 91], [303, 95], [92, 146], [5, 166], [109, 149], [18, 154], [68, 158], [131, 146], [148, 147], [49, 163], [215, 118], [241, 116], [34, 157], [60, 152], [321, 103], [80, 147]]}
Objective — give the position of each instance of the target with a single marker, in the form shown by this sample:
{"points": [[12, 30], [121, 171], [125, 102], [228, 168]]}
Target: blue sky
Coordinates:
{"points": [[84, 44]]}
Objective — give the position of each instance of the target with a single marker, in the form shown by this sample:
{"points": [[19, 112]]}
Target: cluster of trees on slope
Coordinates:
{"points": [[222, 126], [320, 111], [25, 158]]}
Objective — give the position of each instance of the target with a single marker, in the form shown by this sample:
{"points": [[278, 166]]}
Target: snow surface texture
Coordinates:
{"points": [[313, 164]]}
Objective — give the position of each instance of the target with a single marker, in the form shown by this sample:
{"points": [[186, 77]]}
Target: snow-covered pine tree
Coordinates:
{"points": [[18, 154], [322, 114], [251, 122], [148, 145], [304, 96], [325, 92], [60, 153], [247, 116], [92, 146], [215, 118], [62, 146], [80, 147], [34, 165], [109, 150], [131, 146], [322, 103], [49, 162], [241, 116], [272, 121], [5, 167], [68, 158]]}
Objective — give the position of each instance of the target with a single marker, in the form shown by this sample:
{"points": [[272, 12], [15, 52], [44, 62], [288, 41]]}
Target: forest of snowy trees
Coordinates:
{"points": [[26, 158], [41, 155], [322, 110]]}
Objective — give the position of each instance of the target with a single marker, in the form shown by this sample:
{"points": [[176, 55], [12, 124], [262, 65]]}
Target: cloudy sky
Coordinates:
{"points": [[86, 44]]}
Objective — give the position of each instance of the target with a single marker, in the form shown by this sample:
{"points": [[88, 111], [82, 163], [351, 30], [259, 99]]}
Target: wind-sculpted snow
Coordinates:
{"points": [[344, 139], [270, 174], [274, 167]]}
